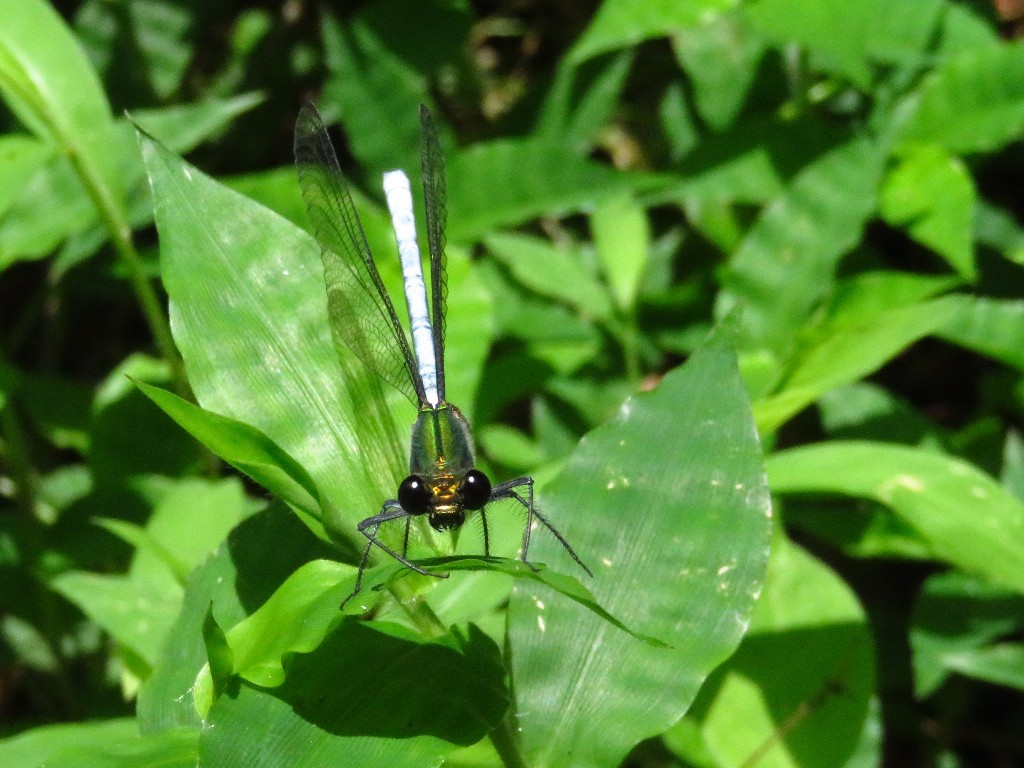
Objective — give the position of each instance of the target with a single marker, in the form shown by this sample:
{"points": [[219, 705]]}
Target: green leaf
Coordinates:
{"points": [[973, 102], [622, 24], [548, 270], [847, 38], [54, 205], [245, 448], [998, 229], [143, 47], [959, 511], [260, 554], [622, 238], [536, 177], [1002, 664], [992, 327], [670, 508], [581, 100], [954, 621], [787, 261], [931, 193], [848, 351], [21, 157], [815, 713], [191, 520], [376, 92], [138, 609], [33, 747], [249, 315], [218, 652], [305, 609], [721, 60], [53, 90], [368, 696], [171, 749]]}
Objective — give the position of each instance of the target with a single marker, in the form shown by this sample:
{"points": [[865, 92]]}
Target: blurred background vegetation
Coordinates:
{"points": [[845, 176]]}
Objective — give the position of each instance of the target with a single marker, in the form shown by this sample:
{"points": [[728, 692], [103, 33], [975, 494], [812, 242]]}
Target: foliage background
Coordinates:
{"points": [[841, 181]]}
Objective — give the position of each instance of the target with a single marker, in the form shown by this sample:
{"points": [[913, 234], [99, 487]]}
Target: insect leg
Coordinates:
{"points": [[391, 510], [507, 490], [487, 536]]}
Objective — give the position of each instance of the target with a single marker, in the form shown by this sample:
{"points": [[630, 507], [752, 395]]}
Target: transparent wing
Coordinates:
{"points": [[434, 201], [362, 315]]}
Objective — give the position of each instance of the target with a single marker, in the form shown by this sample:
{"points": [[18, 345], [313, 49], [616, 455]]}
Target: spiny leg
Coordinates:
{"points": [[487, 536], [391, 510], [507, 490]]}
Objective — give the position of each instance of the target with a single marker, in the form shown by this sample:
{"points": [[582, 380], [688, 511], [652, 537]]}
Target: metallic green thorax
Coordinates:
{"points": [[442, 443]]}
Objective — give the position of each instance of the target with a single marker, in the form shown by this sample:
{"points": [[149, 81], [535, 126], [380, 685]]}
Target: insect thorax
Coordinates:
{"points": [[442, 444]]}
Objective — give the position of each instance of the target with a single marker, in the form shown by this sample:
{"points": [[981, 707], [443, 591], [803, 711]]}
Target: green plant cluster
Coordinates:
{"points": [[739, 282]]}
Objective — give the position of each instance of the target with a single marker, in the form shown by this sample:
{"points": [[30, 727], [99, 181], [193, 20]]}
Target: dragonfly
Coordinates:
{"points": [[444, 483]]}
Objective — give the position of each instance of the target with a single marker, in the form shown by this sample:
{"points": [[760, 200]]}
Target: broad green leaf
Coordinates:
{"points": [[191, 520], [867, 411], [721, 60], [931, 193], [846, 353], [508, 181], [139, 608], [816, 712], [33, 747], [171, 749], [973, 102], [138, 614], [248, 312], [622, 238], [787, 262], [379, 62], [46, 77], [21, 157], [955, 620], [581, 100], [182, 127], [300, 614], [967, 28], [622, 24], [964, 515], [368, 696], [245, 448], [992, 327], [750, 163], [218, 654], [548, 270], [848, 38], [668, 504], [260, 554]]}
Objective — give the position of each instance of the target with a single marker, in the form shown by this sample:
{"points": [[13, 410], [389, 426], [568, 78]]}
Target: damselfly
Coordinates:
{"points": [[443, 483]]}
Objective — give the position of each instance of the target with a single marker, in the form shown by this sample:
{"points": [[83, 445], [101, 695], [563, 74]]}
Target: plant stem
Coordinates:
{"points": [[112, 215], [121, 235]]}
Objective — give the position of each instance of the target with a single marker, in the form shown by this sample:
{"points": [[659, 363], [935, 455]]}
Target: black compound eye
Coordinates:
{"points": [[414, 496], [476, 489]]}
